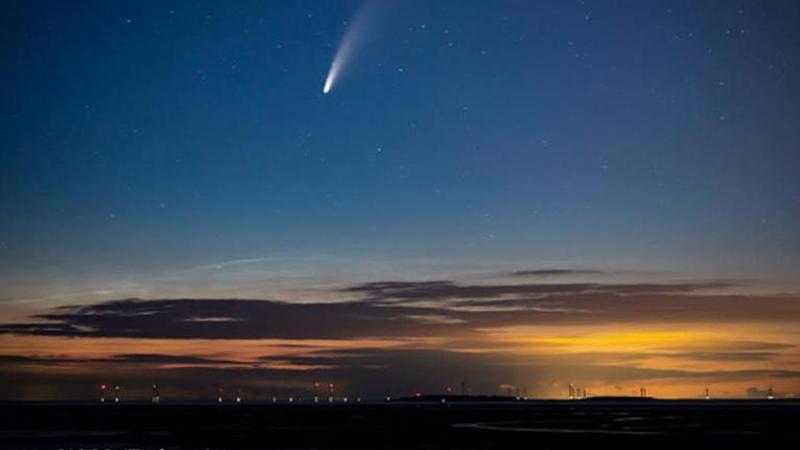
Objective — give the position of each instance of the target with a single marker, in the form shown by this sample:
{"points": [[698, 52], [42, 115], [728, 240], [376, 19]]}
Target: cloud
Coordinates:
{"points": [[407, 364], [721, 356], [243, 319], [413, 291], [555, 272], [390, 309], [737, 345], [133, 358]]}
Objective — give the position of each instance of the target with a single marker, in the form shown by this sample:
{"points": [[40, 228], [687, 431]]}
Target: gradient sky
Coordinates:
{"points": [[526, 192]]}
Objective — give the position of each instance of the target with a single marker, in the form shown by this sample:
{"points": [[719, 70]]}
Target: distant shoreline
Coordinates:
{"points": [[416, 400]]}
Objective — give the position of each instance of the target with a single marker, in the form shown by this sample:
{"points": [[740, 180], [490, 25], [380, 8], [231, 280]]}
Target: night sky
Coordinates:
{"points": [[506, 193]]}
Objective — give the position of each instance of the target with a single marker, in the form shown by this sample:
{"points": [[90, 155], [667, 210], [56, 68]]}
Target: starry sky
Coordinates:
{"points": [[507, 193]]}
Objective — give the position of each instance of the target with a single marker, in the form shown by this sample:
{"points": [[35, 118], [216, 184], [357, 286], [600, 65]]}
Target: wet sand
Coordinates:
{"points": [[463, 425]]}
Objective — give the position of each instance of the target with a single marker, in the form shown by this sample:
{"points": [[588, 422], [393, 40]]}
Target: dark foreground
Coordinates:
{"points": [[540, 425]]}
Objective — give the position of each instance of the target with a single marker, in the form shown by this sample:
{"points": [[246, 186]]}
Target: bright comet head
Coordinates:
{"points": [[341, 54], [328, 83]]}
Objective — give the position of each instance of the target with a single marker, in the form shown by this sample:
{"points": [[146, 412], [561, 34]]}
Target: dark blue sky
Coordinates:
{"points": [[142, 138], [525, 193]]}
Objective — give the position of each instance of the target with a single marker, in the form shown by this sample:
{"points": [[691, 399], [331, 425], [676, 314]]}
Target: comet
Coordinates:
{"points": [[353, 39]]}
